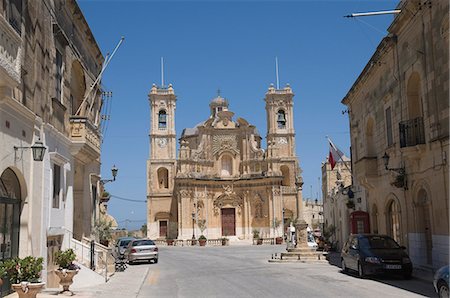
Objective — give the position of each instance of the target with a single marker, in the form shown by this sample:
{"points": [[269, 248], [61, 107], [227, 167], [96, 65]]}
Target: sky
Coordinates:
{"points": [[228, 45]]}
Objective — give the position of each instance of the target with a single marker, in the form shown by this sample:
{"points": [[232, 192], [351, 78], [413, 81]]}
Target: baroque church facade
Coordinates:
{"points": [[221, 183]]}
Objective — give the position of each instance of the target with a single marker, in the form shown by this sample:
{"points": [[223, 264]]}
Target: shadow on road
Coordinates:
{"points": [[414, 285]]}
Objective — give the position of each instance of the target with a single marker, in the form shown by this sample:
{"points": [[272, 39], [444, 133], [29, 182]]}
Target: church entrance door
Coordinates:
{"points": [[228, 222], [163, 228]]}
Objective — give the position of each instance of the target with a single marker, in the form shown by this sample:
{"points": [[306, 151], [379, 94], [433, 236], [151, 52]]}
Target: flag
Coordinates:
{"points": [[335, 155]]}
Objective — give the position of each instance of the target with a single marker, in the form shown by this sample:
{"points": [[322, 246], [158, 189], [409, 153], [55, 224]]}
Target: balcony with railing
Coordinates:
{"points": [[10, 52], [85, 138], [412, 132]]}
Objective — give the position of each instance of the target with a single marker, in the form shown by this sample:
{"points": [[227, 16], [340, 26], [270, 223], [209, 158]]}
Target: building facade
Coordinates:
{"points": [[222, 183], [313, 214], [399, 126], [48, 61]]}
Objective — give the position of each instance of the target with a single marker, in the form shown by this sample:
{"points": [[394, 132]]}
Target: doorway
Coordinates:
{"points": [[163, 228], [228, 222]]}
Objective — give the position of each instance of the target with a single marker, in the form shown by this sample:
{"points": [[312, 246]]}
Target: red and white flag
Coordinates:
{"points": [[335, 155]]}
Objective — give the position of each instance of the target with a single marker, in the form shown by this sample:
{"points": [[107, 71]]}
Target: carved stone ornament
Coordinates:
{"points": [[184, 193], [232, 200], [221, 143]]}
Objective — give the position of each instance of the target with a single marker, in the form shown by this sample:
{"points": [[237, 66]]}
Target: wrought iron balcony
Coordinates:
{"points": [[411, 132]]}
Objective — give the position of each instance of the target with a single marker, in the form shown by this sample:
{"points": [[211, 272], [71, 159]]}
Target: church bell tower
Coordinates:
{"points": [[161, 165]]}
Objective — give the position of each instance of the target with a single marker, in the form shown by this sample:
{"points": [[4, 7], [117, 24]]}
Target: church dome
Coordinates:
{"points": [[218, 102]]}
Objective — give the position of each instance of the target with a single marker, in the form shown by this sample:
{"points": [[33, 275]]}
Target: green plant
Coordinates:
{"points": [[26, 269], [255, 233], [202, 237], [64, 259], [102, 230], [201, 225], [350, 204], [105, 194]]}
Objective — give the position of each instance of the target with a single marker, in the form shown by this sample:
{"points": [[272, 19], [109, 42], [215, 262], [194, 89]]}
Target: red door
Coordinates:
{"points": [[163, 228], [359, 222], [228, 222]]}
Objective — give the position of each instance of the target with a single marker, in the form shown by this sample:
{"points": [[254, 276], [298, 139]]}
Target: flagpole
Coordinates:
{"points": [[340, 156]]}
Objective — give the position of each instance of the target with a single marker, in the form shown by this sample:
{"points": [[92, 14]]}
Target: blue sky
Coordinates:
{"points": [[231, 46]]}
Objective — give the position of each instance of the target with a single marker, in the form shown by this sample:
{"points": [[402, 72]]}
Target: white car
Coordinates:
{"points": [[312, 242]]}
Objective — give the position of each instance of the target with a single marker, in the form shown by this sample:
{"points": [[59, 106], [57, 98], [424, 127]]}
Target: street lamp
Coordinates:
{"points": [[37, 148], [193, 219], [114, 171]]}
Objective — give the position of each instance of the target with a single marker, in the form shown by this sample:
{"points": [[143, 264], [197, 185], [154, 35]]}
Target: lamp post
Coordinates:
{"points": [[114, 171], [193, 219], [37, 148]]}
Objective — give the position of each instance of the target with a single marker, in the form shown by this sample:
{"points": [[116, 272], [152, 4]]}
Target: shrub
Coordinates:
{"points": [[255, 233], [26, 269], [64, 259], [202, 237]]}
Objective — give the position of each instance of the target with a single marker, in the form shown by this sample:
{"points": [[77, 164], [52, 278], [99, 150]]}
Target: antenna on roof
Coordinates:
{"points": [[162, 72], [276, 71]]}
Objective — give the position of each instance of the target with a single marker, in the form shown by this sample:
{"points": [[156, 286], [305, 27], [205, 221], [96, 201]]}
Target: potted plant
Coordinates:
{"points": [[276, 224], [202, 240], [169, 241], [256, 237], [67, 269], [25, 275]]}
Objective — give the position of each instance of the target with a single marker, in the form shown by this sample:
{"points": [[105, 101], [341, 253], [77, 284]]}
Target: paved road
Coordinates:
{"points": [[243, 271]]}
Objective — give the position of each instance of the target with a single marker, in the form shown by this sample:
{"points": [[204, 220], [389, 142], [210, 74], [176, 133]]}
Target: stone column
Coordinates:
{"points": [[300, 230]]}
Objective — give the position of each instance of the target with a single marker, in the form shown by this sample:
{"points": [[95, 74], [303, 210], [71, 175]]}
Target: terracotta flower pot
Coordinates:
{"points": [[66, 277], [169, 242], [28, 290], [259, 241], [279, 240], [202, 242]]}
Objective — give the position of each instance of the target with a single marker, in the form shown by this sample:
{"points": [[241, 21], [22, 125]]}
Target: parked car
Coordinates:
{"points": [[121, 245], [373, 254], [142, 250], [311, 241], [441, 281]]}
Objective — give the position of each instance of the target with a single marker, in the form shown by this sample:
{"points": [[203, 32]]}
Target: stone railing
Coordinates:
{"points": [[84, 133], [190, 242], [10, 50]]}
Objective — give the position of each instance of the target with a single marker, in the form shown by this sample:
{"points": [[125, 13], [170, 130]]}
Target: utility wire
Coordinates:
{"points": [[126, 199]]}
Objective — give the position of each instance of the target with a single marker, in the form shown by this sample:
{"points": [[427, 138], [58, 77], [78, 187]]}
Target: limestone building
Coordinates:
{"points": [[399, 126], [48, 61], [221, 182]]}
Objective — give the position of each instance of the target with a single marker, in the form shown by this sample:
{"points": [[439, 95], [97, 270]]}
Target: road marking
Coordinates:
{"points": [[154, 277]]}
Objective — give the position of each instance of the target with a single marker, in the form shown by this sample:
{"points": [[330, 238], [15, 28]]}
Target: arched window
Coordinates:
{"points": [[281, 119], [226, 166], [393, 221], [413, 94], [162, 119], [286, 178], [163, 178]]}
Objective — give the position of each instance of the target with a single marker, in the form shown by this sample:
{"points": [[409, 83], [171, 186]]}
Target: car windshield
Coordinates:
{"points": [[124, 242], [143, 242], [377, 242]]}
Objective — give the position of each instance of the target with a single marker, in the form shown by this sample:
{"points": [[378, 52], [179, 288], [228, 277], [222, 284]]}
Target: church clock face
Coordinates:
{"points": [[162, 142], [282, 141]]}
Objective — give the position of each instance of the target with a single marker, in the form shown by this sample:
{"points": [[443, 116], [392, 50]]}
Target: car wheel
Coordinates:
{"points": [[443, 290], [343, 266], [361, 273], [155, 261]]}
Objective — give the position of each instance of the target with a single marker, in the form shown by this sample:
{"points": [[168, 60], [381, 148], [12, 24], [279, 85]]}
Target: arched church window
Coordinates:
{"points": [[281, 119], [162, 119], [163, 178], [227, 166]]}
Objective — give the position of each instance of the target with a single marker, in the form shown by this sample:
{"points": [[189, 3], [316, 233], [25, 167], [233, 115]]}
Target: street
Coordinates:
{"points": [[244, 271]]}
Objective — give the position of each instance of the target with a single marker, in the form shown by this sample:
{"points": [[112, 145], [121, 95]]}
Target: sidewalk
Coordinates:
{"points": [[121, 284]]}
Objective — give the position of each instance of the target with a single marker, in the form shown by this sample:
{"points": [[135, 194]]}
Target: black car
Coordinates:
{"points": [[373, 254]]}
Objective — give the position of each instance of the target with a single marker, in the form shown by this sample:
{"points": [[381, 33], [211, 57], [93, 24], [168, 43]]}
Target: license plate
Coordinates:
{"points": [[393, 266]]}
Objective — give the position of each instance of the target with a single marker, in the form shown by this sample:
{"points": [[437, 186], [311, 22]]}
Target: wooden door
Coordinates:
{"points": [[163, 228], [228, 222]]}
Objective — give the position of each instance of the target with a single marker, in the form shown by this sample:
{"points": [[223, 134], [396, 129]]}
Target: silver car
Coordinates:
{"points": [[142, 250]]}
